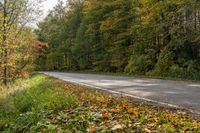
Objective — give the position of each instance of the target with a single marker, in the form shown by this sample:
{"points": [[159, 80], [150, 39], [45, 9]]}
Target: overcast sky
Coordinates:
{"points": [[48, 5]]}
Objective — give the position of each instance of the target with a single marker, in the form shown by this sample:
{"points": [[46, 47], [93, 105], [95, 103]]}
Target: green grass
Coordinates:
{"points": [[25, 108]]}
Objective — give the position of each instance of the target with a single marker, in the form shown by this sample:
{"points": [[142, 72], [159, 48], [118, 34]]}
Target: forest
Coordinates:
{"points": [[139, 37]]}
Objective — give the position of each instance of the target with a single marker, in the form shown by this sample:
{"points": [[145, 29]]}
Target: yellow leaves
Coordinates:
{"points": [[100, 99], [106, 25], [82, 116], [87, 6]]}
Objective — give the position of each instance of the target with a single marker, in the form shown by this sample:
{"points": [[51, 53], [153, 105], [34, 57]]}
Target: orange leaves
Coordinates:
{"points": [[114, 110], [105, 116], [92, 129], [131, 111]]}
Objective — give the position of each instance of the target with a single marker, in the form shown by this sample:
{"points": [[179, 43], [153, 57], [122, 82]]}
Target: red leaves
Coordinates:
{"points": [[41, 47], [39, 44]]}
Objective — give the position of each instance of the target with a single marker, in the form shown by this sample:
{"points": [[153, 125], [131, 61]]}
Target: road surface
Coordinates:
{"points": [[172, 93]]}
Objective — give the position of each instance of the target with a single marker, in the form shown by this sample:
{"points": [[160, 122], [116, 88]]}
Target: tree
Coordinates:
{"points": [[15, 14], [133, 36]]}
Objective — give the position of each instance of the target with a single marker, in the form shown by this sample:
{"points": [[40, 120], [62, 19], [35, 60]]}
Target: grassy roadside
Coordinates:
{"points": [[51, 105]]}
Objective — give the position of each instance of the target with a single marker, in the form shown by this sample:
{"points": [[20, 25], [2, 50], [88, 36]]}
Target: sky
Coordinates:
{"points": [[45, 7], [48, 5]]}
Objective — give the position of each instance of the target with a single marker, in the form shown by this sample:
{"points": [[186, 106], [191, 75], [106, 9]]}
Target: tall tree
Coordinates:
{"points": [[15, 14], [133, 36]]}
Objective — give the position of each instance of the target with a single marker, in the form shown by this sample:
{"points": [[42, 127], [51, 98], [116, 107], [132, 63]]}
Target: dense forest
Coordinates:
{"points": [[141, 37]]}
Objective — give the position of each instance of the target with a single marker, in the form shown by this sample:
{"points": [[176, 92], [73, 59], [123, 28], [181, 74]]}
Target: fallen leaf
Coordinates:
{"points": [[147, 130], [82, 116], [105, 116], [131, 111], [92, 129], [117, 127], [114, 111]]}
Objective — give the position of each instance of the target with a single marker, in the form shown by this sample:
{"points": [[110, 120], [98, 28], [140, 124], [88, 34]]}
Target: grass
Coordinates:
{"points": [[50, 105], [26, 107]]}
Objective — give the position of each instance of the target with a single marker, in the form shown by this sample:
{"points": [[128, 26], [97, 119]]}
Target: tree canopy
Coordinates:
{"points": [[145, 37]]}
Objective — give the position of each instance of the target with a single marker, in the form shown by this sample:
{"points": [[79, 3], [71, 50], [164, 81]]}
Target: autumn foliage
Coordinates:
{"points": [[41, 48], [138, 37]]}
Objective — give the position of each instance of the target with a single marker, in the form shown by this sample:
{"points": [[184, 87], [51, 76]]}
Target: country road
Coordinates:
{"points": [[172, 93]]}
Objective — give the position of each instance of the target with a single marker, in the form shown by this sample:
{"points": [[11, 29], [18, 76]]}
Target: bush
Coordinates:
{"points": [[176, 71], [136, 65], [189, 72], [165, 61]]}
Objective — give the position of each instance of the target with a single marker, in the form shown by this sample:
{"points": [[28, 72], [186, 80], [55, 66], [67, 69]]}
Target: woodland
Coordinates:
{"points": [[137, 37]]}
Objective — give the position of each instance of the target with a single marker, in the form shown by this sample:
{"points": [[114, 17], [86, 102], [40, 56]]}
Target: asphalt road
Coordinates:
{"points": [[165, 92]]}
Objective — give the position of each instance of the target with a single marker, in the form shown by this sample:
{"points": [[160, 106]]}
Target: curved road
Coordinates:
{"points": [[172, 93]]}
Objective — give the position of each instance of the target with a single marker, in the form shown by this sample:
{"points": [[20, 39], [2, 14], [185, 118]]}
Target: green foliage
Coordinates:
{"points": [[137, 37], [165, 60], [189, 72], [136, 65]]}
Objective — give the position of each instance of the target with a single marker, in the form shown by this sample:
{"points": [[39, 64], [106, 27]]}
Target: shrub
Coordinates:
{"points": [[165, 61], [136, 65], [176, 71]]}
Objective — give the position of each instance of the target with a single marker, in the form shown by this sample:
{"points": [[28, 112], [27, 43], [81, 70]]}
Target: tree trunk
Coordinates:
{"points": [[5, 51], [5, 69]]}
